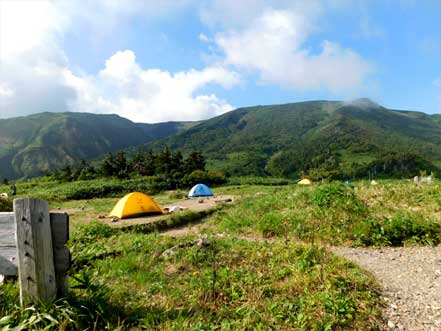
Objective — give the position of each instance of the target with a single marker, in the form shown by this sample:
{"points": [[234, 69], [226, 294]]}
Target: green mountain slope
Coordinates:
{"points": [[275, 139], [32, 145], [246, 140]]}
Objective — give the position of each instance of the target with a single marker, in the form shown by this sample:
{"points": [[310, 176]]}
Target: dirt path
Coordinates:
{"points": [[411, 280]]}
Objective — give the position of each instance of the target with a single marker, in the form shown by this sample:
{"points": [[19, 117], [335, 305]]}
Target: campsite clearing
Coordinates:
{"points": [[81, 215]]}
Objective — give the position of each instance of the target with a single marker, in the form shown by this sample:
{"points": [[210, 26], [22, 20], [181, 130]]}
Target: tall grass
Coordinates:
{"points": [[338, 214], [230, 284], [87, 189]]}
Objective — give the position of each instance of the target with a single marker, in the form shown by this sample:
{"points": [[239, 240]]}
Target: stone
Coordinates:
{"points": [[390, 325]]}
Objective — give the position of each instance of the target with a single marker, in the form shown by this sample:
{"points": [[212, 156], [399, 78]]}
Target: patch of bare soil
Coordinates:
{"points": [[193, 204], [411, 281]]}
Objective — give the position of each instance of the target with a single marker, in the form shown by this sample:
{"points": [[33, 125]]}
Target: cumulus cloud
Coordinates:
{"points": [[203, 37], [28, 24], [150, 95], [250, 36], [274, 46], [35, 73]]}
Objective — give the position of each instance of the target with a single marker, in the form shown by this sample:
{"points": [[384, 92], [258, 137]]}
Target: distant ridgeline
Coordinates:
{"points": [[321, 139], [33, 145], [317, 138]]}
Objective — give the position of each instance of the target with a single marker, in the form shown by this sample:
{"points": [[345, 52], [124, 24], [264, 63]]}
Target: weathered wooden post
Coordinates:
{"points": [[35, 253], [8, 248], [34, 239], [60, 235]]}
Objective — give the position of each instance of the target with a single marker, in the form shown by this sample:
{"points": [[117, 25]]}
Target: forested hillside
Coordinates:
{"points": [[32, 145], [315, 137], [320, 139]]}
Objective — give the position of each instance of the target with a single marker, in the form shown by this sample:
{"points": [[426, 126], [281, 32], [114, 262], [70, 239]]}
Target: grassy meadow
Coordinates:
{"points": [[265, 266]]}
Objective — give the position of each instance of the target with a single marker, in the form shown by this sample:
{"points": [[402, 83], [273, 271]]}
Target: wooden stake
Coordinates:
{"points": [[35, 254]]}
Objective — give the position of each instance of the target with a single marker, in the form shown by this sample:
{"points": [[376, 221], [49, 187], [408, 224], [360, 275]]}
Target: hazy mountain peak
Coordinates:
{"points": [[364, 103]]}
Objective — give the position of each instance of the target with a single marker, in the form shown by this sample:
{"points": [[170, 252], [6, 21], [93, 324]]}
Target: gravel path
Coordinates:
{"points": [[411, 280]]}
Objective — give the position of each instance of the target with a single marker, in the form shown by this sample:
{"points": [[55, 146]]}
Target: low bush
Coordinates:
{"points": [[5, 205], [400, 230], [87, 305], [270, 181], [338, 196], [177, 194], [111, 188], [206, 177]]}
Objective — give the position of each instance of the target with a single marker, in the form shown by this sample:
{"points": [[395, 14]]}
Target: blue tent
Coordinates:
{"points": [[200, 190]]}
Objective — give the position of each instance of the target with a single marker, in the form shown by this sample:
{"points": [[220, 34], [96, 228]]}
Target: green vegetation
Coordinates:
{"points": [[270, 181], [5, 205], [35, 144], [392, 213], [230, 284], [160, 171], [321, 139], [400, 230], [263, 268]]}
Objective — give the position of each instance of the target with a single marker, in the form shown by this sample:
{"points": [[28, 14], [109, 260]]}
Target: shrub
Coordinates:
{"points": [[5, 205], [90, 232], [110, 188], [398, 231], [267, 181], [271, 225], [339, 196], [309, 256], [177, 194], [206, 177]]}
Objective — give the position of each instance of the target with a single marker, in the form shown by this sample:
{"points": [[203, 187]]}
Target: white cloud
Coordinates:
{"points": [[5, 91], [150, 95], [273, 45], [203, 37], [35, 74], [26, 24]]}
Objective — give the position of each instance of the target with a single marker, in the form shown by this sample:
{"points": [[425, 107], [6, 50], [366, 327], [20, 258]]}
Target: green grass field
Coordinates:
{"points": [[265, 268]]}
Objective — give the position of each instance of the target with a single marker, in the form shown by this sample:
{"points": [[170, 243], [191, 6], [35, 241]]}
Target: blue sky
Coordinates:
{"points": [[155, 61]]}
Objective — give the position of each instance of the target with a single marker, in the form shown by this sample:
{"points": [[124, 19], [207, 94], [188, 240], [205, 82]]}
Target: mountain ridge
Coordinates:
{"points": [[32, 145], [247, 140], [356, 130]]}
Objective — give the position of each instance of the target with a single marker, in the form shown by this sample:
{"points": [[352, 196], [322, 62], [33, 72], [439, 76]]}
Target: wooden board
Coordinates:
{"points": [[35, 253], [8, 248], [60, 235]]}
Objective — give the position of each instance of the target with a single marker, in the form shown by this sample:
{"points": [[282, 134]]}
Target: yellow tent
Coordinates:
{"points": [[135, 204], [305, 181]]}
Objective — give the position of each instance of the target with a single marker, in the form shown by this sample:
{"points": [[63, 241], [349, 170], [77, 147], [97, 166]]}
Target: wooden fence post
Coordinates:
{"points": [[35, 253], [60, 235]]}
